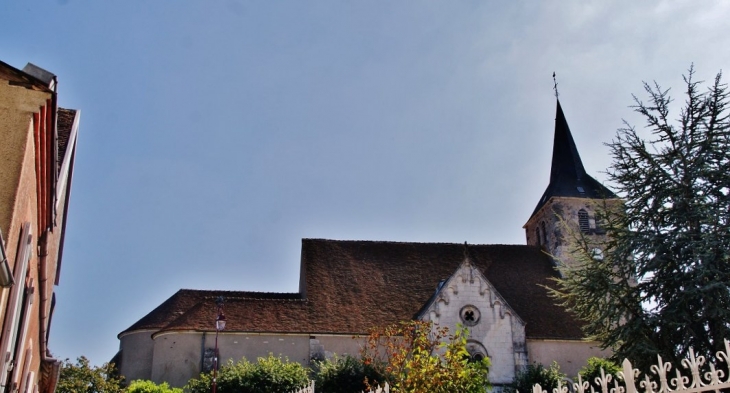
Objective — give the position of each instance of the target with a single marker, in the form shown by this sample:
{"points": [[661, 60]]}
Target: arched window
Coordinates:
{"points": [[537, 235], [544, 233], [583, 221], [476, 350]]}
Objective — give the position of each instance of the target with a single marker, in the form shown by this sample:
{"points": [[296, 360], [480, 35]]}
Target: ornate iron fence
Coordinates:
{"points": [[693, 380]]}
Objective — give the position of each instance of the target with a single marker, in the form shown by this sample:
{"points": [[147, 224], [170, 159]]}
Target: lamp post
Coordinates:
{"points": [[220, 324]]}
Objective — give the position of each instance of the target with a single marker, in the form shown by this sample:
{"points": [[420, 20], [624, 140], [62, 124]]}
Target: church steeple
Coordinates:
{"points": [[570, 202], [568, 177]]}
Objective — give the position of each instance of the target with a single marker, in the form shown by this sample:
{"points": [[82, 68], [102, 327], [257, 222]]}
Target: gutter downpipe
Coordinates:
{"points": [[46, 357]]}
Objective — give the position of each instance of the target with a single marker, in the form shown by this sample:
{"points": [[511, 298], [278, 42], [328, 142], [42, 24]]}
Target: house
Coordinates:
{"points": [[347, 287], [37, 149]]}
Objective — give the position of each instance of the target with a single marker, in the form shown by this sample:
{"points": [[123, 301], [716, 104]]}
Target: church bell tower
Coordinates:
{"points": [[571, 200]]}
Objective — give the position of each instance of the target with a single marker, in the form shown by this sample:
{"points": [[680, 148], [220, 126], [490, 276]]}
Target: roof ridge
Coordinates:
{"points": [[411, 242]]}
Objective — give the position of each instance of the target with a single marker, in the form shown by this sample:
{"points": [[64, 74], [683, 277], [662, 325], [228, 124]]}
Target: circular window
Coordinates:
{"points": [[469, 315]]}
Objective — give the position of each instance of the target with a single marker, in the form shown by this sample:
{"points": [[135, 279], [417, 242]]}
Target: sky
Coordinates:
{"points": [[215, 135]]}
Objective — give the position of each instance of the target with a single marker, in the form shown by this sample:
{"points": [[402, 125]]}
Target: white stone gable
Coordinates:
{"points": [[469, 299]]}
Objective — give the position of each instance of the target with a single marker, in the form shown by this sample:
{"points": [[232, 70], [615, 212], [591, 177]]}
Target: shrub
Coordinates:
{"points": [[344, 375], [547, 378], [419, 357], [592, 370], [268, 375], [142, 386], [84, 378]]}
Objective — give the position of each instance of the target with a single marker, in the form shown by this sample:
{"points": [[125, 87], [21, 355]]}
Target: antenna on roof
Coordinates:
{"points": [[555, 86]]}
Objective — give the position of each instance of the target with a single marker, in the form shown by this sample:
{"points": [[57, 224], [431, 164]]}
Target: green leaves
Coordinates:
{"points": [[267, 375], [419, 357], [82, 378], [548, 378]]}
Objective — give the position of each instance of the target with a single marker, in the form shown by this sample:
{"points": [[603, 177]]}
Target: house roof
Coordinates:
{"points": [[568, 177], [65, 125], [21, 78], [351, 286]]}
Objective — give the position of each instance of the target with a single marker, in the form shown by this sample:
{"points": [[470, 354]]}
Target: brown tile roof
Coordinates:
{"points": [[65, 124], [354, 285]]}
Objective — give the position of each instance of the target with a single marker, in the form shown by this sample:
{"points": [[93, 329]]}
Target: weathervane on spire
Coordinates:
{"points": [[555, 86]]}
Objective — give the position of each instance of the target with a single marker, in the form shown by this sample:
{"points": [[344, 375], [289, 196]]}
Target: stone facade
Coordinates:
{"points": [[562, 220], [467, 298]]}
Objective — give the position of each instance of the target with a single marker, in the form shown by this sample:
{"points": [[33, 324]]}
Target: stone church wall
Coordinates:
{"points": [[571, 355], [556, 224], [467, 298]]}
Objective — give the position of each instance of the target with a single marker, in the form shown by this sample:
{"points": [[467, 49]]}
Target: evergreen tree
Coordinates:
{"points": [[662, 283]]}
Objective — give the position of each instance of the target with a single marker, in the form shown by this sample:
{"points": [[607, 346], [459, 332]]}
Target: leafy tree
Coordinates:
{"points": [[592, 370], [344, 375], [548, 378], [418, 358], [82, 378], [268, 375], [143, 386], [663, 284]]}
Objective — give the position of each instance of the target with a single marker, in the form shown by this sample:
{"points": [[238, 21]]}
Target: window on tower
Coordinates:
{"points": [[583, 221]]}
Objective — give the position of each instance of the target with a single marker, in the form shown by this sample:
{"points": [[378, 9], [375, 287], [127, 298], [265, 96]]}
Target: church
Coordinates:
{"points": [[346, 287]]}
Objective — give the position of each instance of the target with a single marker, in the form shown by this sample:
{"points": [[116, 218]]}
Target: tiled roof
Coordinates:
{"points": [[354, 285], [65, 123]]}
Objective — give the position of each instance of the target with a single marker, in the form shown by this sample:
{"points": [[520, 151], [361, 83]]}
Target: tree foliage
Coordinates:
{"points": [[592, 370], [344, 375], [83, 378], [267, 375], [143, 386], [547, 377], [663, 285], [418, 357]]}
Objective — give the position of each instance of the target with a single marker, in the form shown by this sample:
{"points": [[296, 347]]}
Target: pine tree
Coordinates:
{"points": [[662, 283]]}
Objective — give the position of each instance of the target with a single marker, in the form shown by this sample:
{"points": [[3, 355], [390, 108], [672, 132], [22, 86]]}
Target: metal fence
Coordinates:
{"points": [[690, 379], [693, 377]]}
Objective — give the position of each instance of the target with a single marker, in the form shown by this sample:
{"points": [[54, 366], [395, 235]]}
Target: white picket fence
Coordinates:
{"points": [[690, 379]]}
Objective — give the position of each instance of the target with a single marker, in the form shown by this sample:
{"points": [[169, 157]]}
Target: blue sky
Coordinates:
{"points": [[215, 135]]}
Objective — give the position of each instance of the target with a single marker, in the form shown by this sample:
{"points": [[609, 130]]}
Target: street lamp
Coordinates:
{"points": [[220, 324]]}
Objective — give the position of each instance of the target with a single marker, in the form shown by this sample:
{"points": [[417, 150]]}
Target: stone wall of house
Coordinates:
{"points": [[571, 355], [469, 299]]}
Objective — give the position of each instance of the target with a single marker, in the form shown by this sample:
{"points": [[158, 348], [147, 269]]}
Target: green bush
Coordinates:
{"points": [[268, 375], [592, 370], [344, 375], [142, 386], [547, 378], [84, 378]]}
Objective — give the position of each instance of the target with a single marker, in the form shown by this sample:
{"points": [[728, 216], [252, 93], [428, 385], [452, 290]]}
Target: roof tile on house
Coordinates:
{"points": [[65, 122], [351, 286]]}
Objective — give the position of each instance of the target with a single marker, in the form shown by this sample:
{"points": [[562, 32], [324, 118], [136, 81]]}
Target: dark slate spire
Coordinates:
{"points": [[568, 178]]}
